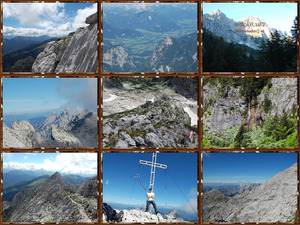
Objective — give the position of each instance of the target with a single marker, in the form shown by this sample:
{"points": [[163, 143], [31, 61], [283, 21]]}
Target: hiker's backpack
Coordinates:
{"points": [[119, 216], [109, 212]]}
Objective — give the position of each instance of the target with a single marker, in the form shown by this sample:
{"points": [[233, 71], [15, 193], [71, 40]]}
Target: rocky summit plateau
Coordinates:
{"points": [[54, 201], [150, 112], [61, 130], [140, 216], [273, 201]]}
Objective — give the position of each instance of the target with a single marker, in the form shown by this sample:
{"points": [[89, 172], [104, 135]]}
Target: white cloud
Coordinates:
{"points": [[140, 7], [193, 192], [50, 31], [39, 19], [82, 14], [25, 157], [70, 163], [34, 14], [190, 207], [85, 97], [65, 27]]}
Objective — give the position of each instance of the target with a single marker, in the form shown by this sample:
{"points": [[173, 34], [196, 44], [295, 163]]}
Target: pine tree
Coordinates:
{"points": [[251, 63], [275, 53], [290, 54], [209, 43], [294, 28], [219, 62], [231, 58], [261, 62]]}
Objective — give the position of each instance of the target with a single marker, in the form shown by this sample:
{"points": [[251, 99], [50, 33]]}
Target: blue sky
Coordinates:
{"points": [[52, 19], [122, 187], [33, 95], [70, 163], [276, 15], [139, 7], [244, 167]]}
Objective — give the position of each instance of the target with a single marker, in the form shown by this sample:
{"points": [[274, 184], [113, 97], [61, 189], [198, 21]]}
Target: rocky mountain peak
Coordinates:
{"points": [[23, 125], [118, 57], [252, 19], [60, 121], [56, 178], [81, 45], [54, 183], [167, 40], [92, 18], [216, 13], [219, 24], [174, 215], [53, 201], [63, 130], [162, 58]]}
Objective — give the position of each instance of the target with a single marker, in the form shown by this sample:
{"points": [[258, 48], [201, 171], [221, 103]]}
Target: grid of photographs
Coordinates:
{"points": [[134, 112]]}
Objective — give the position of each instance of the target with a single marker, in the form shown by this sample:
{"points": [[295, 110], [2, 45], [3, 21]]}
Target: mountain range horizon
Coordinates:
{"points": [[64, 129]]}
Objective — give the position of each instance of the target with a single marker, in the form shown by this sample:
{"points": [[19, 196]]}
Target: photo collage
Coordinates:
{"points": [[161, 112]]}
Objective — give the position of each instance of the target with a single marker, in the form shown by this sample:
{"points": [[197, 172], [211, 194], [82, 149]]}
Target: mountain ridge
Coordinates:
{"points": [[58, 202], [273, 201], [218, 23], [20, 42], [63, 130]]}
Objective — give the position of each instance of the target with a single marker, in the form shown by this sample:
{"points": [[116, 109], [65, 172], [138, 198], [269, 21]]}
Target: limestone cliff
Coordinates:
{"points": [[273, 201], [229, 108], [75, 53]]}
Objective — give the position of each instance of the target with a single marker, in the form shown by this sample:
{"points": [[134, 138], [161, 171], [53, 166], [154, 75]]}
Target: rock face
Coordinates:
{"points": [[139, 216], [63, 130], [89, 188], [20, 135], [219, 24], [228, 107], [273, 201], [116, 59], [61, 121], [75, 53], [53, 201], [185, 86], [174, 55]]}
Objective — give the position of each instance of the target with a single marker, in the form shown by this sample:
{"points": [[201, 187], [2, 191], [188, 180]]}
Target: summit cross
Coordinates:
{"points": [[153, 165]]}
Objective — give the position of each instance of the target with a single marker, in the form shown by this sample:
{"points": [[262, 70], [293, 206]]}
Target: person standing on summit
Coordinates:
{"points": [[150, 200]]}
